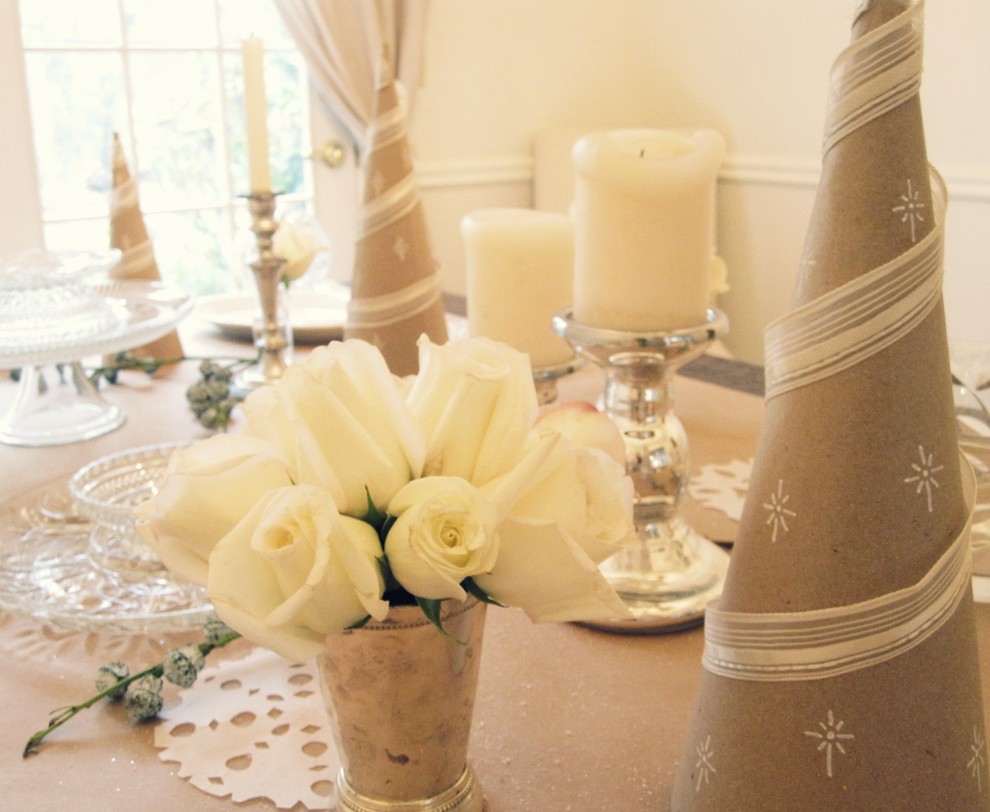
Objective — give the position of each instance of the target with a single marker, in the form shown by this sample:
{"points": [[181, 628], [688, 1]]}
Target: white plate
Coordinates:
{"points": [[317, 316]]}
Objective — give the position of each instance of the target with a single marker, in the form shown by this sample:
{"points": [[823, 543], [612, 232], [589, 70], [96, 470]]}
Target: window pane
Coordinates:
{"points": [[76, 104], [193, 249], [233, 81], [287, 120], [179, 130], [78, 235], [65, 25], [173, 24]]}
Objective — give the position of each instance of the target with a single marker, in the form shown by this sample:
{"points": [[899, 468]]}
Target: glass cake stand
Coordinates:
{"points": [[51, 315], [70, 554]]}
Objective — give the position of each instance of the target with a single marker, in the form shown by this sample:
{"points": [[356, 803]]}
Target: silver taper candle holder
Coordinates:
{"points": [[671, 572], [271, 341]]}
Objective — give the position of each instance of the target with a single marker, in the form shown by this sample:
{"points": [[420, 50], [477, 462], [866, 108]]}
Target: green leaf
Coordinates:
{"points": [[432, 608], [375, 517], [386, 526], [473, 589], [391, 585]]}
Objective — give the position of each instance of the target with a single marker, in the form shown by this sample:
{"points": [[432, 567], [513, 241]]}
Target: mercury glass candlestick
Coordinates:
{"points": [[272, 336], [671, 572], [545, 378]]}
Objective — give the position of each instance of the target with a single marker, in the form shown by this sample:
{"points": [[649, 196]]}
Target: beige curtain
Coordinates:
{"points": [[346, 42]]}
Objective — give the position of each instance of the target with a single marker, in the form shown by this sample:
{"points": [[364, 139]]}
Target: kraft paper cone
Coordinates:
{"points": [[840, 664], [129, 234], [395, 290]]}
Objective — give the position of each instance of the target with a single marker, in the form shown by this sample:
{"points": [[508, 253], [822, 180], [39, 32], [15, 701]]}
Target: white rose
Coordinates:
{"points": [[445, 530], [341, 419], [207, 489], [541, 569], [565, 508], [295, 570], [297, 244], [475, 403], [588, 495]]}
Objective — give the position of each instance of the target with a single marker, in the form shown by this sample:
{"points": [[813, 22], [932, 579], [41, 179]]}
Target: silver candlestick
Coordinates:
{"points": [[272, 337], [671, 573]]}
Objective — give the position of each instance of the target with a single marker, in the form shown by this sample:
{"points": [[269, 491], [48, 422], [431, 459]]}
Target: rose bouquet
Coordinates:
{"points": [[350, 490]]}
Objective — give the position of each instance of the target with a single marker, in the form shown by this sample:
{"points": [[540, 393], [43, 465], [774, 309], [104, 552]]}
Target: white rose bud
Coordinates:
{"points": [[444, 531], [475, 402], [295, 570], [588, 495], [582, 423], [297, 244], [565, 508], [544, 571], [341, 419], [207, 489]]}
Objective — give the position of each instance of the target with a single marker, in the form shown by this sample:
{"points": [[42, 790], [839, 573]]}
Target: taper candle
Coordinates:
{"points": [[520, 266], [256, 115], [644, 218]]}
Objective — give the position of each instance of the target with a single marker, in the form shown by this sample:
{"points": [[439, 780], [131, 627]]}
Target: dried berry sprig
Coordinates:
{"points": [[141, 692]]}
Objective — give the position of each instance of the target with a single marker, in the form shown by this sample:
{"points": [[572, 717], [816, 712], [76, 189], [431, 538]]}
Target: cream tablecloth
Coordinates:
{"points": [[567, 718]]}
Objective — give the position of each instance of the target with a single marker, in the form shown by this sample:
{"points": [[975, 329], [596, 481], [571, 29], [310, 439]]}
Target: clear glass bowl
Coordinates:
{"points": [[107, 490], [116, 315], [69, 556], [44, 294], [36, 269]]}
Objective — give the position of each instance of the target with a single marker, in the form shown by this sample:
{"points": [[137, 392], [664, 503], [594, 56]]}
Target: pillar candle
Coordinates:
{"points": [[644, 218], [256, 115], [520, 267]]}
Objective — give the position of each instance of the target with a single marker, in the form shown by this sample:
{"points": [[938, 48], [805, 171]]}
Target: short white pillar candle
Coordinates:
{"points": [[644, 218], [520, 267]]}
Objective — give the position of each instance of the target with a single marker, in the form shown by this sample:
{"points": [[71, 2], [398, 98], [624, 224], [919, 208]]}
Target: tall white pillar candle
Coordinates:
{"points": [[520, 267], [256, 115], [644, 218]]}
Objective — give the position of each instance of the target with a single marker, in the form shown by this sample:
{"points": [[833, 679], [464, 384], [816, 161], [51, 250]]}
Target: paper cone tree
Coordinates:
{"points": [[129, 234], [840, 664], [395, 289]]}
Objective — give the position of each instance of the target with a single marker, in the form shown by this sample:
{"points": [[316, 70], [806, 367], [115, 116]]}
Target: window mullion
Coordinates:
{"points": [[230, 208], [134, 161]]}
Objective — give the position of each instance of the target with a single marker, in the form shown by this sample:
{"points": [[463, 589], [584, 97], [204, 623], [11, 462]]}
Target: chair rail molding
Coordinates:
{"points": [[965, 183]]}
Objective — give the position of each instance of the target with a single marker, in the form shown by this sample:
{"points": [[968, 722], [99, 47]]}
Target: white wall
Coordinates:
{"points": [[499, 71]]}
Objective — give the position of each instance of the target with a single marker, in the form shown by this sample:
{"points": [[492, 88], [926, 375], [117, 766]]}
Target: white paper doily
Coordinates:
{"points": [[251, 728], [722, 486]]}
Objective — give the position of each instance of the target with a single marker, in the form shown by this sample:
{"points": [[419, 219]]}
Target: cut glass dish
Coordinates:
{"points": [[69, 554]]}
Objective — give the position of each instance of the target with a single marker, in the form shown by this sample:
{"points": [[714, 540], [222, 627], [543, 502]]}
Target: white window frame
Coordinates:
{"points": [[21, 219]]}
